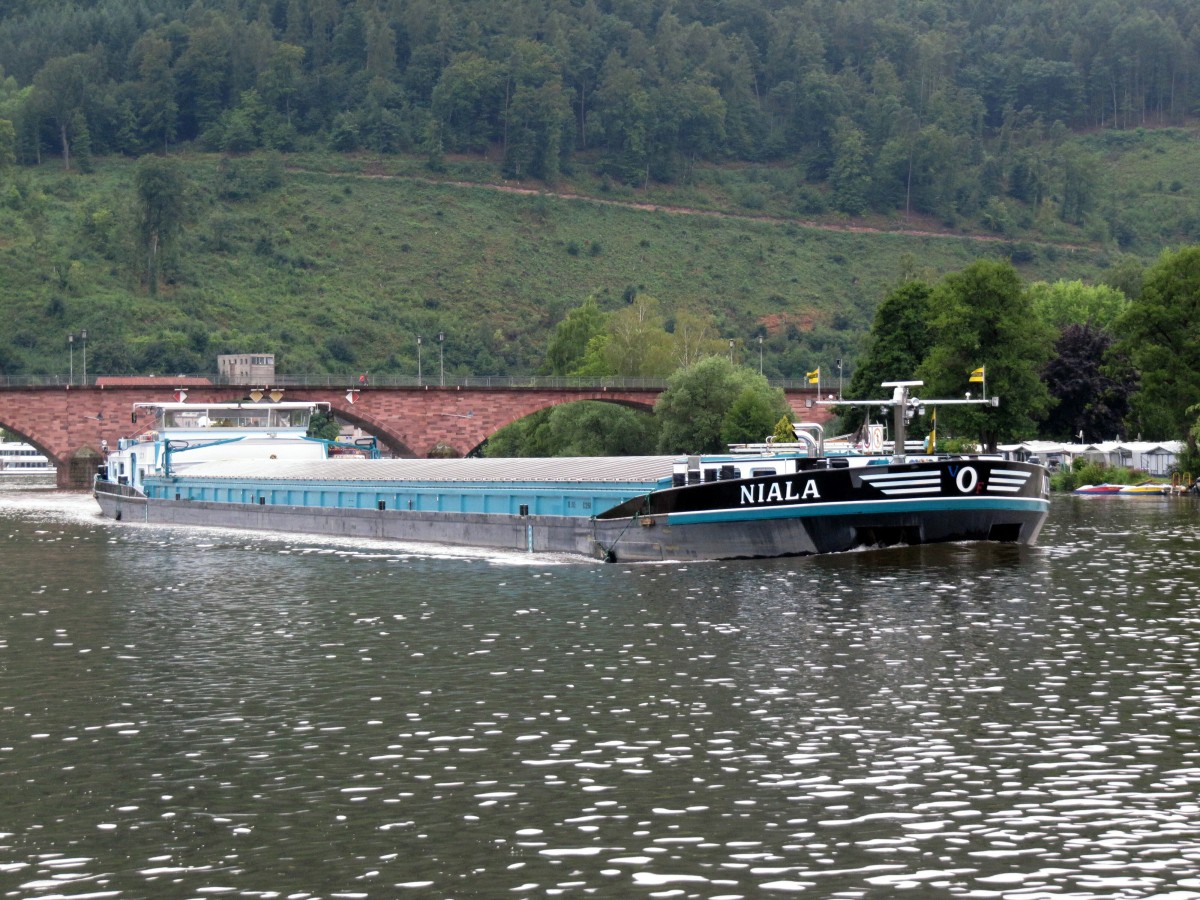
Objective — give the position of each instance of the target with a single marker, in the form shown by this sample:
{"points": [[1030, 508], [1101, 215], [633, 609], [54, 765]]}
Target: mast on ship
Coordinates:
{"points": [[904, 407]]}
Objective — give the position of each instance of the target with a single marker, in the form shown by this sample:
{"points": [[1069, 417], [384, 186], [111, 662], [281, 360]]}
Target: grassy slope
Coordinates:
{"points": [[343, 266]]}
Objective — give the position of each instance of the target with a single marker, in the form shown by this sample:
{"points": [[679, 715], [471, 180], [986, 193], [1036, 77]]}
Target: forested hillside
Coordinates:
{"points": [[958, 110], [339, 263], [330, 179]]}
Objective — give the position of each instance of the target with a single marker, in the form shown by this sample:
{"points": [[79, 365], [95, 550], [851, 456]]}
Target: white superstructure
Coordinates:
{"points": [[180, 435], [20, 463]]}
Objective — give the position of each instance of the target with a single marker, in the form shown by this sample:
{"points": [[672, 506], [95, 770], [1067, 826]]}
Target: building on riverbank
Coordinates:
{"points": [[1157, 458]]}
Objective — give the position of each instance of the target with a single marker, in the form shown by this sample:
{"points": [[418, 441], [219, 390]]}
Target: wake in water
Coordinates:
{"points": [[77, 507]]}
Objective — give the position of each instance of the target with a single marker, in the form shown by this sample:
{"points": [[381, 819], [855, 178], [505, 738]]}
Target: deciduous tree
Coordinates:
{"points": [[61, 92], [982, 316], [1064, 303], [705, 402], [899, 340], [569, 343], [638, 343], [161, 186], [850, 178], [8, 144], [577, 429], [1159, 333], [1090, 385]]}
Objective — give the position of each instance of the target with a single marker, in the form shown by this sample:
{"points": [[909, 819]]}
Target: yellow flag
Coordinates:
{"points": [[977, 375], [814, 377]]}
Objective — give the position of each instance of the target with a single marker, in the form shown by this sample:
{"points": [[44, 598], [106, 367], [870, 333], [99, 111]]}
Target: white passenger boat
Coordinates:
{"points": [[251, 465], [23, 465]]}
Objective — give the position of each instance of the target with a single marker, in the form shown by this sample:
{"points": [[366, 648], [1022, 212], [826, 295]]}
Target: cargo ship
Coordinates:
{"points": [[252, 465]]}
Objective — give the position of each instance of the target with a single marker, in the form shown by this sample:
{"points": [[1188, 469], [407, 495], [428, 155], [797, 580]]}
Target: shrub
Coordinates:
{"points": [[1084, 471]]}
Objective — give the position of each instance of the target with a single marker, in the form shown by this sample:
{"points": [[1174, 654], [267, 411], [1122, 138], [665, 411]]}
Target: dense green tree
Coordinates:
{"points": [[1126, 277], [850, 177], [638, 343], [1159, 335], [569, 343], [603, 429], [900, 337], [203, 71], [624, 112], [752, 416], [656, 90], [711, 399], [577, 429], [1028, 177], [983, 316], [324, 425], [935, 162], [381, 121], [380, 46], [82, 141], [536, 121], [1051, 88], [1080, 187], [8, 144], [1090, 385], [468, 102], [61, 94], [279, 82], [154, 92], [690, 121], [693, 337], [1065, 303], [161, 202], [240, 129]]}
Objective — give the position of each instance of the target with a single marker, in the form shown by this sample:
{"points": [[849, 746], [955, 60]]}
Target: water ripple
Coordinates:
{"points": [[259, 717]]}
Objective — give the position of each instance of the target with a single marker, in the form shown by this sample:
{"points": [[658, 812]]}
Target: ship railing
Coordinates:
{"points": [[115, 489]]}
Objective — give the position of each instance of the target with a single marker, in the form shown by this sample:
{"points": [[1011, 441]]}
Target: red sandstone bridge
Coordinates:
{"points": [[73, 423]]}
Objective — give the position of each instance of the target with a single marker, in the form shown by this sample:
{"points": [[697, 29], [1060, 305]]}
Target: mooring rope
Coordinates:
{"points": [[608, 554]]}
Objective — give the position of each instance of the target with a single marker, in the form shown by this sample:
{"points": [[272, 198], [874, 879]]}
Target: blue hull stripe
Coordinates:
{"points": [[850, 508]]}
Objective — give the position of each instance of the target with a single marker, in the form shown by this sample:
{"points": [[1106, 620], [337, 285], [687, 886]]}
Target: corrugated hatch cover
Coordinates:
{"points": [[583, 469]]}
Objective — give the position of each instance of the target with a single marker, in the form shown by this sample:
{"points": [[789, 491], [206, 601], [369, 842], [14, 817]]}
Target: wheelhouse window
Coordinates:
{"points": [[250, 417]]}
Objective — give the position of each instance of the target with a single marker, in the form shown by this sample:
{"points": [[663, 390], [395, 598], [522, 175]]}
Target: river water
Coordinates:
{"points": [[195, 713]]}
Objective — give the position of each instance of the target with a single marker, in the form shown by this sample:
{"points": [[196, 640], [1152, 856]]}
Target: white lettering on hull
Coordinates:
{"points": [[779, 492]]}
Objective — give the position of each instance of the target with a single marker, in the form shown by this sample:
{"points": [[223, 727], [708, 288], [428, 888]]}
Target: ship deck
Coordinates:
{"points": [[640, 470], [565, 486]]}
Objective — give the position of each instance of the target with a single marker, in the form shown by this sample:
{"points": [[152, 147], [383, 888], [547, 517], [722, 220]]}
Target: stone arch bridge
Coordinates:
{"points": [[71, 424]]}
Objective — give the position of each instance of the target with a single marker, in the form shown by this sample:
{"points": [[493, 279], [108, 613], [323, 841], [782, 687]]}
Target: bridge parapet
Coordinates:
{"points": [[73, 424], [344, 380]]}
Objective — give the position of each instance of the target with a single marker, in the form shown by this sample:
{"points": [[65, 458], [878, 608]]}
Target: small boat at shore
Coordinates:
{"points": [[252, 465], [1103, 489], [1144, 488]]}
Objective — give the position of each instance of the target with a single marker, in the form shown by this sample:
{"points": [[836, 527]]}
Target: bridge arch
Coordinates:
{"points": [[71, 424], [32, 440], [346, 412], [637, 404]]}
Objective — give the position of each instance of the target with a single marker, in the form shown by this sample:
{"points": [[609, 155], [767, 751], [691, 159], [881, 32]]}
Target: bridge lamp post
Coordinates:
{"points": [[83, 337], [760, 354], [71, 347], [418, 359], [441, 358], [731, 351]]}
